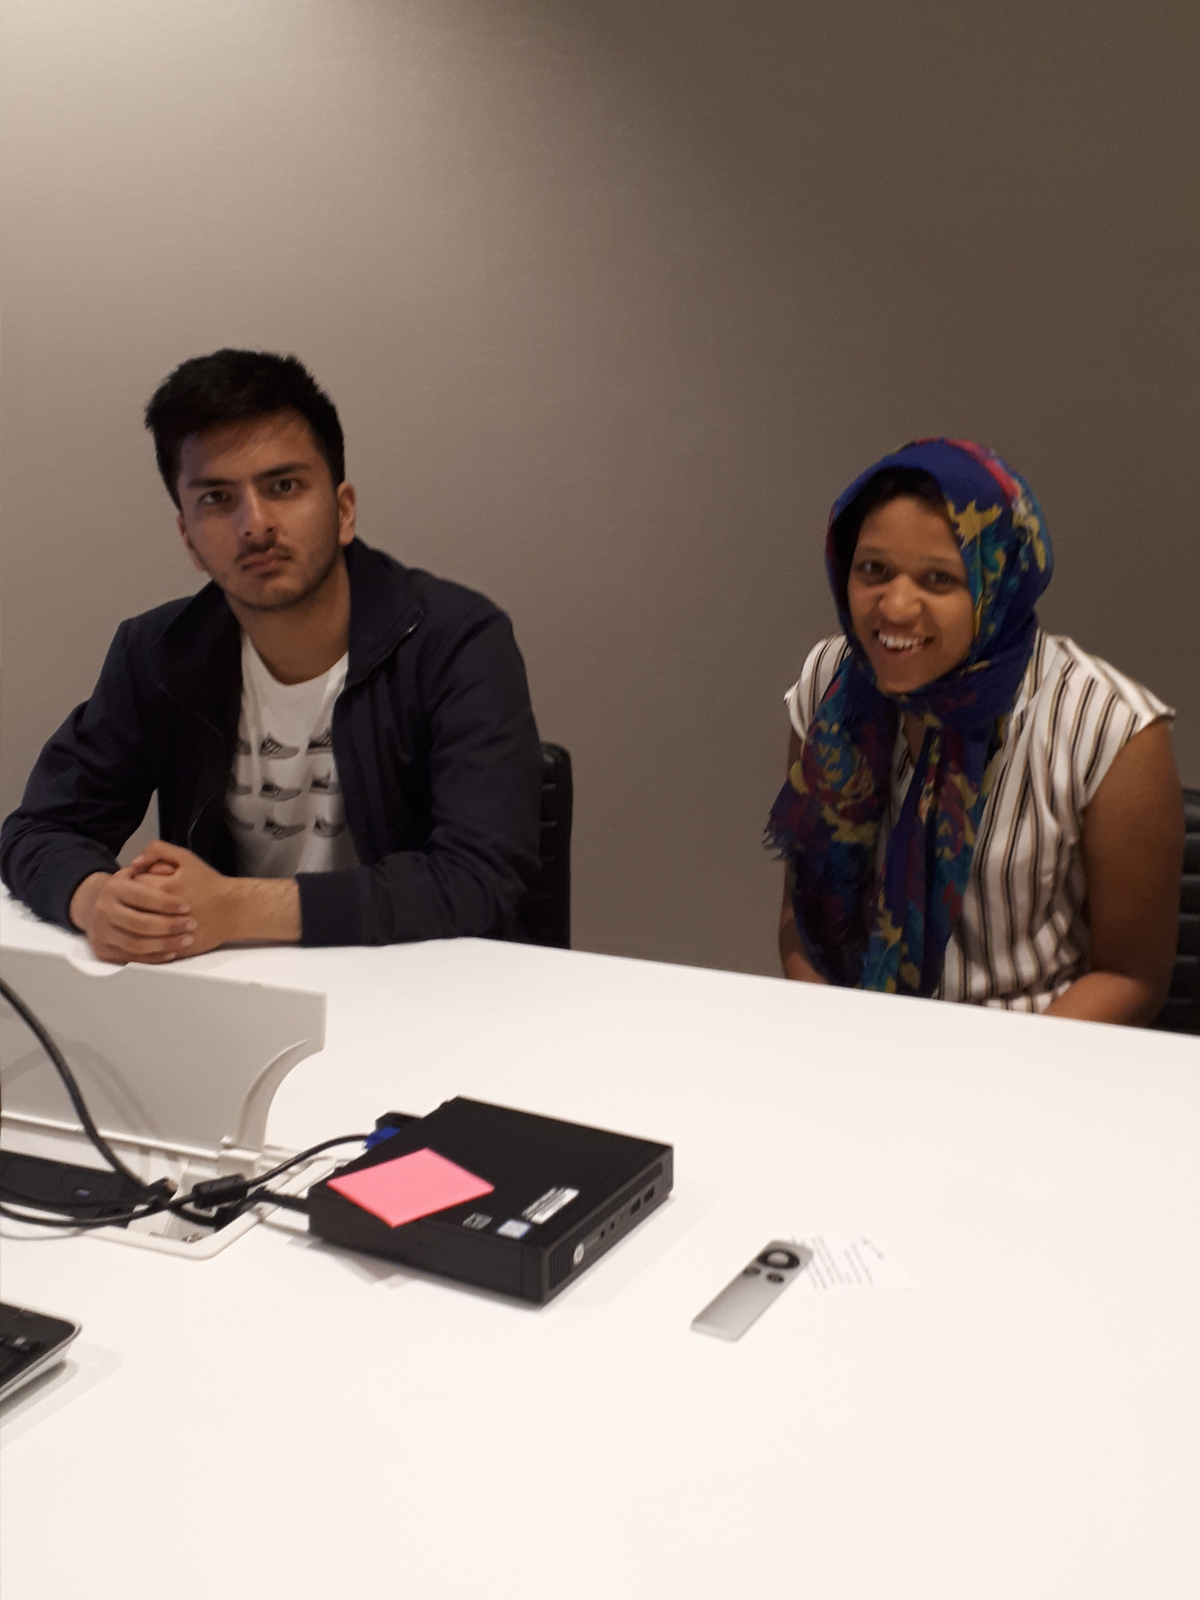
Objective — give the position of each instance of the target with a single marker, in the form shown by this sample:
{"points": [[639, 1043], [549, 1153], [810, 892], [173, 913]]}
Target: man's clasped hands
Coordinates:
{"points": [[169, 903]]}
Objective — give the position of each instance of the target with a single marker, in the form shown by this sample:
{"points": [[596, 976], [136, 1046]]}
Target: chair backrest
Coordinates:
{"points": [[548, 911], [1181, 1014]]}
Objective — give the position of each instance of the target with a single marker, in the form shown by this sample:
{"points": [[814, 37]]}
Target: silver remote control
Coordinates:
{"points": [[745, 1299]]}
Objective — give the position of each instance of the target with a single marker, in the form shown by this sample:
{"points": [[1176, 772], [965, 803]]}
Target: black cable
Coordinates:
{"points": [[305, 1155], [211, 1192], [236, 1186], [72, 1088], [83, 1222], [289, 1202], [216, 1194], [70, 1207], [219, 1219], [224, 1197]]}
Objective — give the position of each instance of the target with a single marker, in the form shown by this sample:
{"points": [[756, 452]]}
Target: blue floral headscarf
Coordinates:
{"points": [[888, 930]]}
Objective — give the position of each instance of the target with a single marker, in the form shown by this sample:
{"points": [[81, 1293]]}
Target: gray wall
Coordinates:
{"points": [[614, 298]]}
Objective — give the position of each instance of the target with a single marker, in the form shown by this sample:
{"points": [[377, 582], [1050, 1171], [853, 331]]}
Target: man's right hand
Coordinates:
{"points": [[130, 916]]}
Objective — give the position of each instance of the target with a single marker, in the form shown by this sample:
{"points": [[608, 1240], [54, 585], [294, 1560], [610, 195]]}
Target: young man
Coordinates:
{"points": [[342, 747]]}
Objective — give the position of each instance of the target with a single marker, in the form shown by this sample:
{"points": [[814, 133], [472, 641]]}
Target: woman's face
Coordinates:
{"points": [[908, 596]]}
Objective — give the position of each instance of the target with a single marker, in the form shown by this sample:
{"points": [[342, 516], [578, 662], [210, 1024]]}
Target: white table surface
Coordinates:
{"points": [[290, 1420]]}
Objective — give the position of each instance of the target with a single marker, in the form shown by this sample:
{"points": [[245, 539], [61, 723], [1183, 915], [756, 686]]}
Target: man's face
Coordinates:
{"points": [[259, 511]]}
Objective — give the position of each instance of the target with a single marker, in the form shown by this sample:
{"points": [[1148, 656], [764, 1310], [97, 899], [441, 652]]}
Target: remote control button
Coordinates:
{"points": [[750, 1272], [774, 1277], [780, 1258]]}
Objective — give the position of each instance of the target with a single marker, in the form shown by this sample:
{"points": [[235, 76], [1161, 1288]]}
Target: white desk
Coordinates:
{"points": [[287, 1420]]}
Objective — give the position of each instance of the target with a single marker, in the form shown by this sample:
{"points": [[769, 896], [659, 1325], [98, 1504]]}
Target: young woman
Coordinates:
{"points": [[975, 810]]}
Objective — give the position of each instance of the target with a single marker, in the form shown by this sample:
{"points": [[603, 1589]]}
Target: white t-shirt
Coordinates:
{"points": [[284, 804], [1022, 938]]}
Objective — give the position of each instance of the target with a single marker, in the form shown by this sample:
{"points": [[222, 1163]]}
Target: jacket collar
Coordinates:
{"points": [[385, 607], [200, 647]]}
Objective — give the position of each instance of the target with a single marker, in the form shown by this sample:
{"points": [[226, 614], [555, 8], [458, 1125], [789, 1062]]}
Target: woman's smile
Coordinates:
{"points": [[894, 642], [908, 597]]}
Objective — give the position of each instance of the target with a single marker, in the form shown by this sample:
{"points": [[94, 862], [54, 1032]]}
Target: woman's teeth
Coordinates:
{"points": [[892, 641]]}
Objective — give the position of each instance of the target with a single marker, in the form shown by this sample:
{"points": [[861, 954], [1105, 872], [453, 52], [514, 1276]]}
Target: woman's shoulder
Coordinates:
{"points": [[1082, 708], [1061, 668], [823, 660]]}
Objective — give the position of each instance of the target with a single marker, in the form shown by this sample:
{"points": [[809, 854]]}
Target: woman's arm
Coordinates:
{"points": [[1132, 857], [795, 963]]}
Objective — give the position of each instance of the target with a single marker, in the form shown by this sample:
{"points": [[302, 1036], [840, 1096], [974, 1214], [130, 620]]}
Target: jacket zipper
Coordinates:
{"points": [[199, 811], [347, 792], [219, 737]]}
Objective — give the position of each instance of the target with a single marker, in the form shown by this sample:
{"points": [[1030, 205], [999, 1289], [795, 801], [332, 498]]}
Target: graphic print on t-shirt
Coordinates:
{"points": [[272, 749], [282, 830], [284, 802]]}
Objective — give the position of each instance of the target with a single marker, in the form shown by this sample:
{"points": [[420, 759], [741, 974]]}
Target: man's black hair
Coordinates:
{"points": [[891, 484], [236, 386]]}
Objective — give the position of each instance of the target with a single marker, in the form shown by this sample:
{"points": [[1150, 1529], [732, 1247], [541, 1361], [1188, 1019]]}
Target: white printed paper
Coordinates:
{"points": [[846, 1260]]}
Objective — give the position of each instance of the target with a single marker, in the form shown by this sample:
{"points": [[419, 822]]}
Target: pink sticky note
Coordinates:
{"points": [[411, 1186]]}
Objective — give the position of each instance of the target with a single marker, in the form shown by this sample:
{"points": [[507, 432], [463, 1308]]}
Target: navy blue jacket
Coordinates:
{"points": [[433, 735]]}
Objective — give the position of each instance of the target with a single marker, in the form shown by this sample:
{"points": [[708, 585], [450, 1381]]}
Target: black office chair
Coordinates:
{"points": [[548, 910], [1181, 1014]]}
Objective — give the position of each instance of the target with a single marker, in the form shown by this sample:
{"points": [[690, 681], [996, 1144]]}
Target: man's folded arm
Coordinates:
{"points": [[86, 795], [481, 859]]}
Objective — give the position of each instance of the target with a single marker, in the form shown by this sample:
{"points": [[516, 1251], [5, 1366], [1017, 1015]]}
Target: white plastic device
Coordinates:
{"points": [[760, 1281], [178, 1070]]}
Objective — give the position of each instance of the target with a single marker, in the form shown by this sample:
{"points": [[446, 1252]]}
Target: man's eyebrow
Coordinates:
{"points": [[269, 472]]}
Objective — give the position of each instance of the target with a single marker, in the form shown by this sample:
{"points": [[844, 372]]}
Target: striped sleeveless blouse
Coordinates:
{"points": [[1022, 937]]}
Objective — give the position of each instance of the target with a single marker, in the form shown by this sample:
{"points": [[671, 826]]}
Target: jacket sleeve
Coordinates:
{"points": [[480, 861], [87, 793]]}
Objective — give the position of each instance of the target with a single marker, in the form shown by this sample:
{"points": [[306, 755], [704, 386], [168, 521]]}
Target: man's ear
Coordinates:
{"points": [[347, 502], [188, 545]]}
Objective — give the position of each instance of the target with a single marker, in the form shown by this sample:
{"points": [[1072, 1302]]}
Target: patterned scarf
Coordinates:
{"points": [[889, 930]]}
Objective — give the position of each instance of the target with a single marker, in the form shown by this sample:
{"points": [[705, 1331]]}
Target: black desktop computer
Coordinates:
{"points": [[560, 1195]]}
